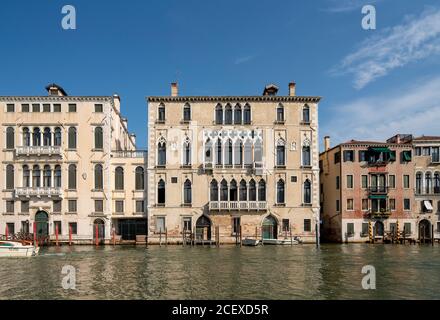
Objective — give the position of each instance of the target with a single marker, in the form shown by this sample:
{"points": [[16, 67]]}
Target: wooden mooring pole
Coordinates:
{"points": [[166, 236], [56, 235], [241, 235]]}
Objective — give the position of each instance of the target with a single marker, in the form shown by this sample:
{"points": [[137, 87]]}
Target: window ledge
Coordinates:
{"points": [[160, 205], [72, 213], [310, 204], [159, 122], [185, 121], [305, 122], [98, 150], [279, 205], [306, 167], [186, 205], [160, 167], [280, 167], [280, 121], [8, 213], [186, 166]]}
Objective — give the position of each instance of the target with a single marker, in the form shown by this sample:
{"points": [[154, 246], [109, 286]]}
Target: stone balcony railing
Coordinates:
{"points": [[38, 192], [38, 150], [238, 205], [129, 154]]}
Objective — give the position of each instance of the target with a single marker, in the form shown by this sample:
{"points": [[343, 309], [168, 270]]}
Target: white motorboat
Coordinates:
{"points": [[17, 249], [281, 241], [250, 242]]}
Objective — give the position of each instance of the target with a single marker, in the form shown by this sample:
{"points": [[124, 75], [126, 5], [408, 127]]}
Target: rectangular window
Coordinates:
{"points": [[364, 204], [362, 155], [435, 155], [140, 206], [350, 205], [348, 155], [11, 228], [99, 206], [407, 228], [337, 183], [98, 108], [25, 227], [286, 225], [57, 225], [160, 224], [10, 206], [236, 225], [72, 107], [392, 204], [406, 204], [393, 227], [337, 157], [119, 206], [46, 107], [438, 226], [173, 179], [35, 107], [337, 206], [350, 229], [418, 151], [406, 181], [57, 206], [10, 107], [25, 107], [57, 107], [364, 228], [73, 227], [426, 151], [307, 225], [364, 181], [72, 206], [187, 224], [25, 206], [392, 181], [349, 181]]}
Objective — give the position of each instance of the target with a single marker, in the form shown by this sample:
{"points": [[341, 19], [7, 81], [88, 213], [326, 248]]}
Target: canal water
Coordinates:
{"points": [[269, 272]]}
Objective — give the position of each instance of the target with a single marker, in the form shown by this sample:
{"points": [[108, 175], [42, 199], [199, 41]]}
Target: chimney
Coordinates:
{"points": [[292, 89], [174, 89], [133, 138], [327, 143], [55, 90], [125, 122], [117, 102]]}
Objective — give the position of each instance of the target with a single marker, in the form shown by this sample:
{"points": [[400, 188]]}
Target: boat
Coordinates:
{"points": [[285, 241], [18, 249], [250, 242]]}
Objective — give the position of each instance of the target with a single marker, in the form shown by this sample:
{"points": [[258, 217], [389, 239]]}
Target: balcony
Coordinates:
{"points": [[38, 192], [38, 150], [382, 214], [378, 190], [129, 154], [238, 205]]}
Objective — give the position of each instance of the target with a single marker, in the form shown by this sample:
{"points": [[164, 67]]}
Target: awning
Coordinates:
{"points": [[428, 205], [378, 196], [380, 149]]}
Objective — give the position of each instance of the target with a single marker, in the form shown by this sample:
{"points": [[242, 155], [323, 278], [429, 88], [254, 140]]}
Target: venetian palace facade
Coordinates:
{"points": [[69, 165], [232, 163]]}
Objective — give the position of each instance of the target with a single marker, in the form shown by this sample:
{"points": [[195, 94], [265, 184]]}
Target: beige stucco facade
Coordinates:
{"points": [[212, 164]]}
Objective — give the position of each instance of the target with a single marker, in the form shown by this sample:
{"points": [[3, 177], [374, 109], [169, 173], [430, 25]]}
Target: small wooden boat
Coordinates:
{"points": [[250, 242], [281, 241], [18, 249]]}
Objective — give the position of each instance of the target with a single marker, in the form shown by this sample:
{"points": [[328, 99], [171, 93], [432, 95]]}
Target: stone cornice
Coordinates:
{"points": [[234, 99], [56, 98]]}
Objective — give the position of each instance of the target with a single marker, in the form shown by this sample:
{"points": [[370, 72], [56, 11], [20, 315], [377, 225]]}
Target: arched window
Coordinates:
{"points": [[99, 179], [186, 112], [161, 112], [233, 191], [224, 190], [437, 183], [187, 152], [26, 137], [419, 183], [99, 141], [57, 174], [228, 114], [208, 151], [258, 151], [10, 138], [306, 155], [243, 190], [119, 178], [218, 152], [162, 153], [228, 154], [26, 177], [219, 114], [36, 141], [262, 190], [280, 113], [238, 153], [36, 176], [252, 191], [247, 114], [140, 185], [237, 114], [428, 182], [72, 177], [281, 153], [248, 153], [280, 191], [161, 192], [307, 192], [306, 114], [187, 197], [72, 138], [47, 176], [214, 190], [9, 176], [57, 137], [47, 137]]}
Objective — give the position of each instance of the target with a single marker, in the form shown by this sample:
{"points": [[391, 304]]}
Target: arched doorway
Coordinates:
{"points": [[42, 225], [424, 230], [98, 230], [378, 229], [203, 228], [270, 228]]}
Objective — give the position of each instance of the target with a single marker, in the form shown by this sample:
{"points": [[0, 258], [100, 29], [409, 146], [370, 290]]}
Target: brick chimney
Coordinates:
{"points": [[174, 89], [327, 143], [292, 89]]}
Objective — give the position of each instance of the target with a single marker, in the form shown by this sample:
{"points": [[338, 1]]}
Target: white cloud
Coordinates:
{"points": [[416, 39], [413, 110], [337, 6], [245, 59]]}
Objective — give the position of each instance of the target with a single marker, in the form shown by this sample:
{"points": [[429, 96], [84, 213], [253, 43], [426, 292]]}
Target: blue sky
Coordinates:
{"points": [[374, 83]]}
